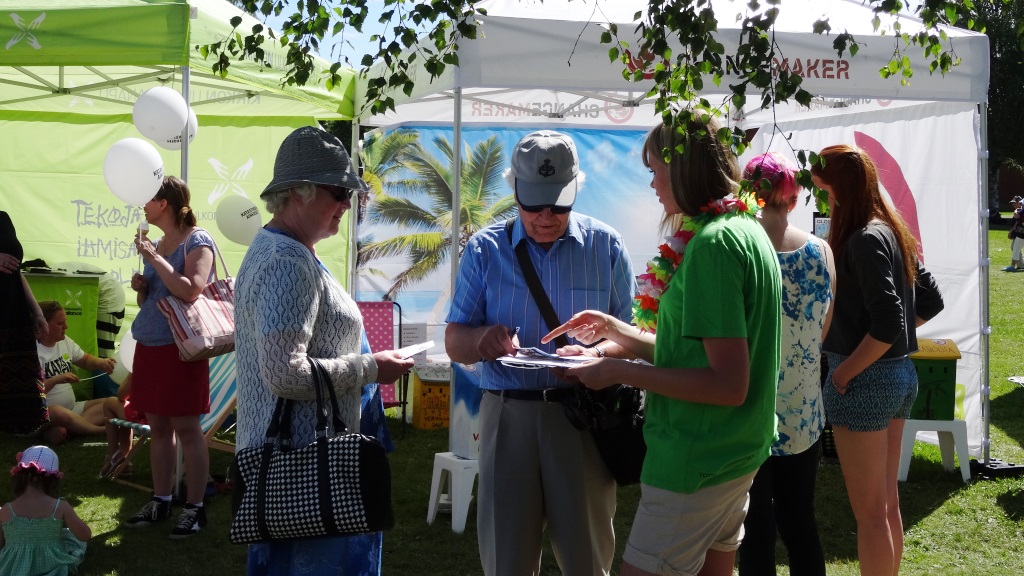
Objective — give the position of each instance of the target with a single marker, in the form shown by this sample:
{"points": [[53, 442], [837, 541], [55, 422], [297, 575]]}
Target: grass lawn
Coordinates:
{"points": [[951, 528]]}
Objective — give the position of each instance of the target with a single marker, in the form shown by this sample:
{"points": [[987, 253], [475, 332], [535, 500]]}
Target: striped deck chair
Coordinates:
{"points": [[223, 387]]}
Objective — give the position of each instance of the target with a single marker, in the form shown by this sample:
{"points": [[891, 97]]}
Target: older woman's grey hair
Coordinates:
{"points": [[276, 201]]}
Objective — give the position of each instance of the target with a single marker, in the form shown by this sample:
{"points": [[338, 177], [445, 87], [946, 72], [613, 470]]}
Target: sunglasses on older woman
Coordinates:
{"points": [[338, 193]]}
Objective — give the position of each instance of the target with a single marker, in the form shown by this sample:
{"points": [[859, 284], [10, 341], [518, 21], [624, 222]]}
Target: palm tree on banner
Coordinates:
{"points": [[383, 158], [429, 241]]}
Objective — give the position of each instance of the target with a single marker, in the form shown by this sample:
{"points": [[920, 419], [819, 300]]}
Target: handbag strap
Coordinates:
{"points": [[279, 430], [279, 437], [216, 251], [547, 311]]}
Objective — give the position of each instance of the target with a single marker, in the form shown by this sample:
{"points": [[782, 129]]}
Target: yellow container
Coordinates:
{"points": [[430, 403]]}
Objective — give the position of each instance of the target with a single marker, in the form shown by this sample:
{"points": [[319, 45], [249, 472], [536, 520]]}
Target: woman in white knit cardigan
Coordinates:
{"points": [[289, 309]]}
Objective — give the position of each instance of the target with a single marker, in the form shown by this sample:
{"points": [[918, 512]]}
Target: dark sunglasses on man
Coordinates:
{"points": [[554, 209]]}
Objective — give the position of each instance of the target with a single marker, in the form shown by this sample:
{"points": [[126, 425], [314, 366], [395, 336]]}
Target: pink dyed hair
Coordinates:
{"points": [[780, 172]]}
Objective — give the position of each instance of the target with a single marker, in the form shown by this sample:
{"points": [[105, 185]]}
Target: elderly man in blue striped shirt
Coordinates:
{"points": [[536, 469]]}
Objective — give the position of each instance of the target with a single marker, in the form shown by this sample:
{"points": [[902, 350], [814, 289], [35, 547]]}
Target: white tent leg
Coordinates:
{"points": [[353, 215], [983, 270], [456, 187], [185, 88]]}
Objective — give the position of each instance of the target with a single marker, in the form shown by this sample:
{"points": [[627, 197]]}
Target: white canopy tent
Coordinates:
{"points": [[541, 64]]}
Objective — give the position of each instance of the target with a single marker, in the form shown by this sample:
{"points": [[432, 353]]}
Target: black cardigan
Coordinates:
{"points": [[872, 296]]}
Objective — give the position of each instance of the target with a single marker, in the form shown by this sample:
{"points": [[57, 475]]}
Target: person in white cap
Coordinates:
{"points": [[32, 541], [536, 469]]}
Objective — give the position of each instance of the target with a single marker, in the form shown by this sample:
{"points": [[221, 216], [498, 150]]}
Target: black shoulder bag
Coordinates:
{"points": [[615, 415], [339, 485]]}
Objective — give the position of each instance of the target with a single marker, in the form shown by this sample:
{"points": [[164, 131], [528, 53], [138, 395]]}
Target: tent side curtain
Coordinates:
{"points": [[104, 33]]}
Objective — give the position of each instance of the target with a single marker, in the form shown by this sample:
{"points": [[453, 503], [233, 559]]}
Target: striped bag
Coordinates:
{"points": [[206, 327]]}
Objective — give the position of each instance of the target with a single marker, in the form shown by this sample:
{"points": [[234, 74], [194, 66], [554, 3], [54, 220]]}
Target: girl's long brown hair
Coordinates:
{"points": [[854, 181]]}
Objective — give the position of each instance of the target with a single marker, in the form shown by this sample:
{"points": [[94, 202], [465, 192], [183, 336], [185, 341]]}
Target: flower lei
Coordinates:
{"points": [[652, 284]]}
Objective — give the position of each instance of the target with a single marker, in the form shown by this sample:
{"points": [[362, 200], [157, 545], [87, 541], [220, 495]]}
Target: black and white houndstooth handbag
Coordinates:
{"points": [[339, 485]]}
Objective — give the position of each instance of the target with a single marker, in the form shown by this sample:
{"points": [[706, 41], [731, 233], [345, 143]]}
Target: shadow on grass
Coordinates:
{"points": [[1007, 414], [1012, 502]]}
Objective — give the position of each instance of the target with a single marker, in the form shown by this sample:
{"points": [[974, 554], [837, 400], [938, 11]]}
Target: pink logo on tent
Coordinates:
{"points": [[617, 115], [640, 63], [890, 175]]}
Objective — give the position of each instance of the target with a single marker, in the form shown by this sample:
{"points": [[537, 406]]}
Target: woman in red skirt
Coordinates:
{"points": [[172, 393]]}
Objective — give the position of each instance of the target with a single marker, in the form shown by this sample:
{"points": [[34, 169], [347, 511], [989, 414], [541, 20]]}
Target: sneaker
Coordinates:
{"points": [[190, 522], [1011, 268], [154, 511]]}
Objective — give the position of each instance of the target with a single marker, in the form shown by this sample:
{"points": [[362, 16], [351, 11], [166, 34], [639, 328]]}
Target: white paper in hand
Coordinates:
{"points": [[410, 351]]}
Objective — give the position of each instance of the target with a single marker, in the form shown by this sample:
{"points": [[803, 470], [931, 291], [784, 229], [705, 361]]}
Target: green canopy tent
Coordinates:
{"points": [[70, 71]]}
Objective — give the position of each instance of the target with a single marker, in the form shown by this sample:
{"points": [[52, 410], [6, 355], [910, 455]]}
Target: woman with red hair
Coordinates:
{"points": [[885, 295]]}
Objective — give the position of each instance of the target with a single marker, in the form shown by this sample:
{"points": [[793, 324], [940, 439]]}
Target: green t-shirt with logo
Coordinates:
{"points": [[728, 286]]}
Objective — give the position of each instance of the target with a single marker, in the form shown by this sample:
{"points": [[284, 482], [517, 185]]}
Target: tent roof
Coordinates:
{"points": [[96, 56], [554, 47]]}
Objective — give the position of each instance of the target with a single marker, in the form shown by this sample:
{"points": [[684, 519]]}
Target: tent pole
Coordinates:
{"points": [[353, 215], [456, 188], [983, 284], [185, 87]]}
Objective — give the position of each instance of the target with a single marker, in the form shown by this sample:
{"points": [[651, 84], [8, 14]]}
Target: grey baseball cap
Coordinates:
{"points": [[545, 167]]}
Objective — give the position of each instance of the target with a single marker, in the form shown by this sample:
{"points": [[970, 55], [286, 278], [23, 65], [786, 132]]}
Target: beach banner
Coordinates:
{"points": [[616, 190]]}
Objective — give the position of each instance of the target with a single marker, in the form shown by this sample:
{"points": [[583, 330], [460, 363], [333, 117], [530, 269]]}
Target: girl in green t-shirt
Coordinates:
{"points": [[707, 325]]}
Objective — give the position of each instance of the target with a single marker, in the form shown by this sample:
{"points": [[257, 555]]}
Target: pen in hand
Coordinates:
{"points": [[512, 335]]}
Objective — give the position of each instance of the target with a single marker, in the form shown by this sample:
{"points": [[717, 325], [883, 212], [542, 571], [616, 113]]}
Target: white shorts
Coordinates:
{"points": [[672, 531], [63, 395]]}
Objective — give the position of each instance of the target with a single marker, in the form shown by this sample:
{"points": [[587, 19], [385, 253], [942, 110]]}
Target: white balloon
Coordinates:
{"points": [[120, 373], [238, 219], [160, 114], [125, 354], [133, 170], [175, 142]]}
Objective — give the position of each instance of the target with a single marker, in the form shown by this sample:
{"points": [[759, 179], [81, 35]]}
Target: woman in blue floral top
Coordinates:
{"points": [[782, 495]]}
